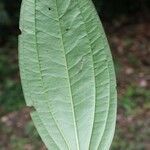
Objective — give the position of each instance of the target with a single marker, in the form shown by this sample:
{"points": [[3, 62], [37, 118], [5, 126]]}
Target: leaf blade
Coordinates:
{"points": [[67, 75]]}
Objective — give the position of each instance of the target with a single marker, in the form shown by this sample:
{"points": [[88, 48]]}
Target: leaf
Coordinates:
{"points": [[67, 74]]}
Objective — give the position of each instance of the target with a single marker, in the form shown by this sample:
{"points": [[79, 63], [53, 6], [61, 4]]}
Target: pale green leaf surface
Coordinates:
{"points": [[67, 74], [104, 135]]}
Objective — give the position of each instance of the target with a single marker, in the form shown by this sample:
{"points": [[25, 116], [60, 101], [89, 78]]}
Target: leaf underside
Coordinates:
{"points": [[67, 74]]}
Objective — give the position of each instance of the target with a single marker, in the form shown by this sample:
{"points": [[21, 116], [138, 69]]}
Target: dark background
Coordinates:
{"points": [[127, 25]]}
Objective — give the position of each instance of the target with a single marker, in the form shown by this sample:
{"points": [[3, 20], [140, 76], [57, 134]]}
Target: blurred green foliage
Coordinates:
{"points": [[133, 99]]}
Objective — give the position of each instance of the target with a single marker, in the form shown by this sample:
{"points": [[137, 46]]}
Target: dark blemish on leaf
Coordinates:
{"points": [[49, 8], [38, 31], [81, 64], [67, 29]]}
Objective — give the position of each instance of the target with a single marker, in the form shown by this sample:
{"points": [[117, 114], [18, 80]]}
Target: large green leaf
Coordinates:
{"points": [[67, 74]]}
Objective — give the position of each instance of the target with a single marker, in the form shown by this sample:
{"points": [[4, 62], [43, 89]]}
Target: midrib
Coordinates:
{"points": [[70, 89]]}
